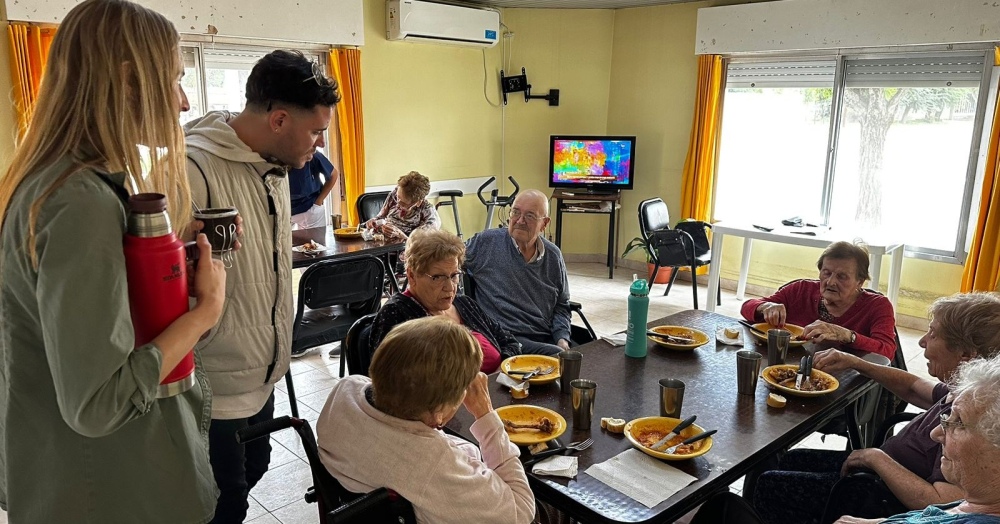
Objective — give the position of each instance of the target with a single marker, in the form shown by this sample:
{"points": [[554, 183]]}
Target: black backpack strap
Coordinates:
{"points": [[208, 188]]}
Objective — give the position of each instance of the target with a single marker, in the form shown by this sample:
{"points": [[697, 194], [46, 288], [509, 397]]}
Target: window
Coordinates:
{"points": [[902, 133]]}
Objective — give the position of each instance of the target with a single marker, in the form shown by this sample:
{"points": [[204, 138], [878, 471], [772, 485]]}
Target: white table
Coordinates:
{"points": [[824, 237]]}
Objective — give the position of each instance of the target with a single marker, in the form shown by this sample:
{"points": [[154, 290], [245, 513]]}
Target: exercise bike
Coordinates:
{"points": [[497, 201]]}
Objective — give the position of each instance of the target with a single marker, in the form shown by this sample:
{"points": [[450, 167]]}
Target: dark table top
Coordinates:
{"points": [[336, 248], [628, 388]]}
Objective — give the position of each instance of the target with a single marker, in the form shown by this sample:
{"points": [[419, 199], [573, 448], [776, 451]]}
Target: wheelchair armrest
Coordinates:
{"points": [[575, 306], [358, 509], [889, 423]]}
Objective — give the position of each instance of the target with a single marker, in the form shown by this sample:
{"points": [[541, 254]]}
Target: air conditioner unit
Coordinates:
{"points": [[417, 21]]}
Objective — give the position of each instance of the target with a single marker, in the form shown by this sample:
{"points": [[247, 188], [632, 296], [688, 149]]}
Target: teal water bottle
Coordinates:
{"points": [[638, 308]]}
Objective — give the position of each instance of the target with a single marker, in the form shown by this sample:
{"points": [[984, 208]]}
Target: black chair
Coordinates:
{"points": [[369, 204], [579, 335], [336, 504], [676, 247], [355, 346], [337, 293]]}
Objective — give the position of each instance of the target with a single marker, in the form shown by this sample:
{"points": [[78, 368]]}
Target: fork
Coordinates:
{"points": [[537, 371], [572, 447]]}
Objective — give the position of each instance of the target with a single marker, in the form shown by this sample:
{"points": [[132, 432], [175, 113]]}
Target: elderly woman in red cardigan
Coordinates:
{"points": [[835, 310]]}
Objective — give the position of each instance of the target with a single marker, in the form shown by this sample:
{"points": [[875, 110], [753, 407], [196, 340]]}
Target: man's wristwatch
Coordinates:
{"points": [[854, 337]]}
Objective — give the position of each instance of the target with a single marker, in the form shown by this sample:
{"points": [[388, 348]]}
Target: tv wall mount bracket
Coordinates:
{"points": [[516, 83]]}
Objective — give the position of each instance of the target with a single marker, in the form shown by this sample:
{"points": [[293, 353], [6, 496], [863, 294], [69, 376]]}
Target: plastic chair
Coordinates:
{"points": [[452, 194], [355, 346], [337, 293], [578, 334], [336, 504]]}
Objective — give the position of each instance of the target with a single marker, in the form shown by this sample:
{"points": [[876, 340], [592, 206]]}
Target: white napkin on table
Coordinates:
{"points": [[641, 477], [720, 335], [618, 339], [302, 248], [557, 466]]}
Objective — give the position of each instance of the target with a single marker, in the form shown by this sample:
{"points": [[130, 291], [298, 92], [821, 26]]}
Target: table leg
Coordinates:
{"points": [[558, 223], [741, 286], [611, 243], [894, 274], [714, 270], [875, 270]]}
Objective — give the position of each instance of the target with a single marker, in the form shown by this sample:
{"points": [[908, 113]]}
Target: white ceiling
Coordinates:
{"points": [[574, 4]]}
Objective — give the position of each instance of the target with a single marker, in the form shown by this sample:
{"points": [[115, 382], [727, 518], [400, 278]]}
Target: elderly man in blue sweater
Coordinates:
{"points": [[521, 277]]}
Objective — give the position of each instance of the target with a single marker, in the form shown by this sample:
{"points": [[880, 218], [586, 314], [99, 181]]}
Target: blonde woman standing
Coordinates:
{"points": [[84, 438]]}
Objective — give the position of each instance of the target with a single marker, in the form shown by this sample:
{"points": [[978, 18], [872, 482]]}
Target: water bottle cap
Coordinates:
{"points": [[639, 288], [147, 203]]}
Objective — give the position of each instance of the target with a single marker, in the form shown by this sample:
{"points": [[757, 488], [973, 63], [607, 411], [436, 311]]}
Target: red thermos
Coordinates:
{"points": [[157, 281]]}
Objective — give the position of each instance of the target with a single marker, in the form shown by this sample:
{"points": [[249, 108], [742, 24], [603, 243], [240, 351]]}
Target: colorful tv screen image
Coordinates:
{"points": [[591, 161]]}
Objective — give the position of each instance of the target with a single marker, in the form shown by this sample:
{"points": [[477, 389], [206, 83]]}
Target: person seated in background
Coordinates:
{"points": [[433, 272], [963, 327], [521, 277], [422, 373], [309, 190], [406, 208], [969, 436], [835, 310]]}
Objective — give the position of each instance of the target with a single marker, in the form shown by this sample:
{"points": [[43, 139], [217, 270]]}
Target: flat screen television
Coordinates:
{"points": [[596, 164]]}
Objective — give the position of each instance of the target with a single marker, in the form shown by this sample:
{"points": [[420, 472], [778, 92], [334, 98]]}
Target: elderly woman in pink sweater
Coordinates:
{"points": [[386, 431]]}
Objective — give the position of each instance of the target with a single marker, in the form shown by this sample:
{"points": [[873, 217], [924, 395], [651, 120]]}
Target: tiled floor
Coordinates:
{"points": [[278, 496]]}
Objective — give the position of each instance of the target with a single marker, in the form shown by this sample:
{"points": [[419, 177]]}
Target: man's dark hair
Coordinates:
{"points": [[288, 77]]}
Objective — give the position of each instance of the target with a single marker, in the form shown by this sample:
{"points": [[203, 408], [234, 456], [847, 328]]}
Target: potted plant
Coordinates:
{"points": [[662, 276]]}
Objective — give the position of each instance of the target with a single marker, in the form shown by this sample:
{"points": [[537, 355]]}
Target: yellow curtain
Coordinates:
{"points": [[346, 67], [699, 168], [982, 267], [29, 50]]}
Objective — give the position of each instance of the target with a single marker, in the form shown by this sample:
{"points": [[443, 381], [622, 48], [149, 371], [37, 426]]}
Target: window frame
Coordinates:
{"points": [[975, 168]]}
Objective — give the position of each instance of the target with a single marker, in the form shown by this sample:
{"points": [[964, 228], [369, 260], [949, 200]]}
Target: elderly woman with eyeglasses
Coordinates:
{"points": [[433, 261], [406, 209], [968, 435], [963, 327]]}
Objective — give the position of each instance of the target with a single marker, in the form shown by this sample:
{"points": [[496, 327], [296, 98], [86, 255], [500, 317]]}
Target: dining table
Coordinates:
{"points": [[749, 431], [334, 248]]}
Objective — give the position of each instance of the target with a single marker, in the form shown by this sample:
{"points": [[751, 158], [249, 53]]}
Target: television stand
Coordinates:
{"points": [[562, 196]]}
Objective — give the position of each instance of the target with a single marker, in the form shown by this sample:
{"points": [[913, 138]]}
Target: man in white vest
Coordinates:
{"points": [[240, 160]]}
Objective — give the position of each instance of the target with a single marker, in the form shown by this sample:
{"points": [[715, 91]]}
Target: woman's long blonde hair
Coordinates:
{"points": [[108, 87]]}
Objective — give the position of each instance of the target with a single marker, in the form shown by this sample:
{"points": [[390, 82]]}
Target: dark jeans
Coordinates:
{"points": [[237, 467], [536, 345], [726, 508]]}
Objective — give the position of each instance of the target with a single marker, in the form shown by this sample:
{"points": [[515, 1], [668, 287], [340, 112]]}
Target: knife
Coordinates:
{"points": [[692, 440], [670, 338], [674, 432], [542, 455], [809, 369], [802, 371], [755, 330]]}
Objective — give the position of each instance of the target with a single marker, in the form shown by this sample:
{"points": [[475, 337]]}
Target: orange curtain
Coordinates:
{"points": [[699, 168], [346, 67], [29, 50], [982, 267]]}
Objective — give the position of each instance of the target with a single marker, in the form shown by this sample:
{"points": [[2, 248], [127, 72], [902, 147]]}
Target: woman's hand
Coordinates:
{"points": [[834, 360], [209, 289], [824, 332], [774, 313], [846, 519], [477, 397], [863, 459]]}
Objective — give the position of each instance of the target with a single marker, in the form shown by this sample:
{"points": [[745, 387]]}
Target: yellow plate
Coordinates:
{"points": [[700, 337], [347, 233], [796, 331], [773, 382], [526, 413], [664, 425], [528, 363]]}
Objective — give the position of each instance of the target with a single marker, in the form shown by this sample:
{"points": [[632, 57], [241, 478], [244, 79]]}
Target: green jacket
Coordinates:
{"points": [[84, 438]]}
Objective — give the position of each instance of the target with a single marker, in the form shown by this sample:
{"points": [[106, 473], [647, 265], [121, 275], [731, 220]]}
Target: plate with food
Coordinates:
{"points": [[677, 337], [796, 332], [646, 431], [526, 424], [546, 368], [347, 233], [310, 248], [782, 378]]}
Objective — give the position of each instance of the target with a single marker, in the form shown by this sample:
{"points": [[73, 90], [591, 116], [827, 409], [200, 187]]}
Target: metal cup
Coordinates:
{"points": [[584, 392], [335, 221], [569, 369], [777, 346], [671, 397], [747, 371]]}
